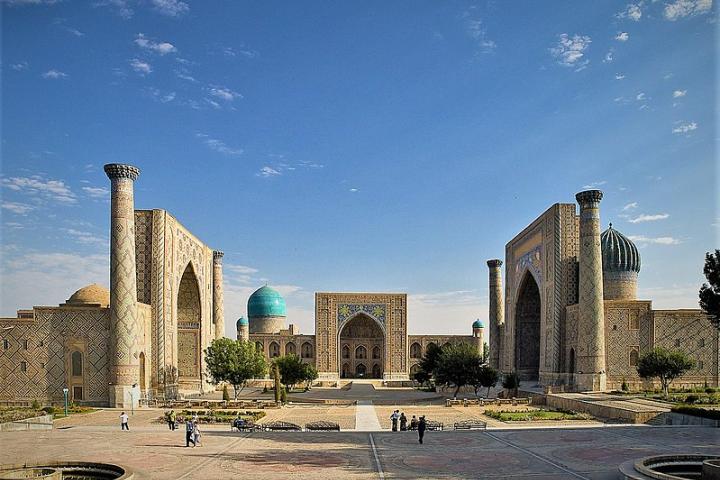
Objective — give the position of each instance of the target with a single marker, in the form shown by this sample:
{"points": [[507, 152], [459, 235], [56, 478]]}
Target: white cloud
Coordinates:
{"points": [[17, 208], [630, 206], [622, 36], [679, 93], [569, 52], [685, 127], [218, 145], [267, 171], [633, 11], [592, 185], [19, 66], [354, 190], [121, 7], [37, 186], [242, 269], [641, 239], [97, 192], [619, 76], [54, 74], [649, 218], [686, 8], [171, 8], [475, 29], [86, 238], [163, 48], [224, 93], [640, 96], [141, 67], [609, 56], [183, 75]]}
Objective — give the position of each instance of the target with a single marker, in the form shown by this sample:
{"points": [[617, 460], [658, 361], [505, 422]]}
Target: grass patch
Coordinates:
{"points": [[215, 416], [536, 415]]}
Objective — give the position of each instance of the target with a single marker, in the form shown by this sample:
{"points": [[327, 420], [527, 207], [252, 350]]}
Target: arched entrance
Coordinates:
{"points": [[361, 338], [527, 329], [189, 314]]}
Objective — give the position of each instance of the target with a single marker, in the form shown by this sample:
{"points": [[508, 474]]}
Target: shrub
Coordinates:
{"points": [[691, 398], [624, 387], [49, 410], [511, 381], [35, 405]]}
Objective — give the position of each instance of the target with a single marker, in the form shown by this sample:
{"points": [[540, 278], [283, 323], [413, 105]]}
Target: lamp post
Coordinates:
{"points": [[132, 399], [65, 394]]}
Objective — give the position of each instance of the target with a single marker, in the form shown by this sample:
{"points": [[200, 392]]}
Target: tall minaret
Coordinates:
{"points": [[497, 313], [218, 310], [124, 329], [591, 371]]}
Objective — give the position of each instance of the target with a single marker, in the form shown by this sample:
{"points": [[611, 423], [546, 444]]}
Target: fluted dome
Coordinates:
{"points": [[94, 294], [242, 322], [266, 302], [478, 324], [619, 253]]}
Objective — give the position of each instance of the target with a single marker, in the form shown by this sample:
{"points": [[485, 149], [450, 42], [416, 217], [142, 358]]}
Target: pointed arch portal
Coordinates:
{"points": [[363, 337], [527, 329], [189, 314]]}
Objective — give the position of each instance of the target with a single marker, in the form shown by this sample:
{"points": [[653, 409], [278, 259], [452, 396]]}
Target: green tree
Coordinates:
{"points": [[486, 352], [456, 364], [292, 370], [710, 292], [226, 394], [311, 373], [235, 362], [666, 365], [422, 377], [511, 382], [276, 376], [487, 377]]}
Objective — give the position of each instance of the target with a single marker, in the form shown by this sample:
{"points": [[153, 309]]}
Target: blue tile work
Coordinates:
{"points": [[531, 260], [347, 310]]}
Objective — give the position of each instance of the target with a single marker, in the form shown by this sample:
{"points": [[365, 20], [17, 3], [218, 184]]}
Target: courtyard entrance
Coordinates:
{"points": [[362, 345], [527, 329], [188, 330]]}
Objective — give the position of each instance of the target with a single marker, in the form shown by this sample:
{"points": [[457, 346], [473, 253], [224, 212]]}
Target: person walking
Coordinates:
{"points": [[189, 429], [421, 429], [173, 418], [196, 435], [403, 422], [413, 423], [124, 421], [394, 419]]}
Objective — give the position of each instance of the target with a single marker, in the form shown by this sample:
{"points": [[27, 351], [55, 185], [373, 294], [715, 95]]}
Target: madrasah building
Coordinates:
{"points": [[569, 317]]}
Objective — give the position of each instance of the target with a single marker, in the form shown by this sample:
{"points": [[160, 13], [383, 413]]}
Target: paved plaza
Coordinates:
{"points": [[154, 452]]}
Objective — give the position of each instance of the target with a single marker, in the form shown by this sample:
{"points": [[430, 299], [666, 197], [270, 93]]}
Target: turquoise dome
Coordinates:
{"points": [[478, 324], [242, 322], [266, 302]]}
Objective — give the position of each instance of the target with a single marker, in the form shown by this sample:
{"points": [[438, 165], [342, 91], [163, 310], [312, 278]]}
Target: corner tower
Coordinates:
{"points": [[218, 309], [496, 315], [124, 328], [591, 370]]}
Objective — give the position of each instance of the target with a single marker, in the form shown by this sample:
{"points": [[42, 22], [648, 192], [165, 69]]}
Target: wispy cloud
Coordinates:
{"points": [[171, 8], [570, 51], [96, 192], [685, 127], [224, 93], [120, 7], [54, 74], [20, 66], [143, 68], [242, 51], [476, 30], [649, 218], [218, 145], [630, 206], [592, 185], [679, 93], [640, 96], [609, 56], [268, 171], [163, 48], [17, 208], [85, 238], [622, 36], [354, 190], [633, 11], [619, 76], [642, 239], [37, 186], [686, 8]]}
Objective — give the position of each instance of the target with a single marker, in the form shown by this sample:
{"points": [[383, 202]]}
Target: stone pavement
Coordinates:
{"points": [[154, 452], [366, 419]]}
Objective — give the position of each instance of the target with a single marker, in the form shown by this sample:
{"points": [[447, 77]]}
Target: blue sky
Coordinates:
{"points": [[356, 146]]}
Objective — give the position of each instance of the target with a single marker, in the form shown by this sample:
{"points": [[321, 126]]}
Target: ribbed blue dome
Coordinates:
{"points": [[242, 322], [266, 302], [478, 324], [619, 253]]}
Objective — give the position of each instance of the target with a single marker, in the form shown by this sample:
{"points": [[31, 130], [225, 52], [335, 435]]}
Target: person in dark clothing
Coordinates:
{"points": [[421, 429], [403, 422], [413, 423], [189, 429]]}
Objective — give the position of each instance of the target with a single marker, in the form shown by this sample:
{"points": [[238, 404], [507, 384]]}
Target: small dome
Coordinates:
{"points": [[242, 322], [619, 253], [478, 324], [266, 302], [91, 295]]}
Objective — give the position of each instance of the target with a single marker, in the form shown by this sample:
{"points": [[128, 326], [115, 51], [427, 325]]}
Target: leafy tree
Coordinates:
{"points": [[235, 362], [422, 377], [294, 371], [710, 292], [226, 394], [511, 381], [487, 377], [430, 359], [667, 365], [276, 376], [456, 365], [486, 352]]}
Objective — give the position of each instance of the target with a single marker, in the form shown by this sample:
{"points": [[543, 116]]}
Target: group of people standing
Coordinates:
{"points": [[399, 417], [192, 427]]}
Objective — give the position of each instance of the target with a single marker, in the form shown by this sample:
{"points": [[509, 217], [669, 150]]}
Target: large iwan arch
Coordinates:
{"points": [[527, 329]]}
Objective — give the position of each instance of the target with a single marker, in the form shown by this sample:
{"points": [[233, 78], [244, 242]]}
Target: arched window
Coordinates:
{"points": [[376, 352], [346, 351], [77, 366], [376, 373], [274, 350], [259, 346], [415, 350], [634, 355], [290, 348], [360, 352], [307, 350]]}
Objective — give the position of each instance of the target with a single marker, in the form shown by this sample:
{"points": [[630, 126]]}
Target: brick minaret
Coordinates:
{"points": [[591, 371], [124, 328], [496, 315], [218, 311]]}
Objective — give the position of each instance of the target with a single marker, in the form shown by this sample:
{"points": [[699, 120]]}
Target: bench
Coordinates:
{"points": [[243, 426], [470, 425], [431, 425], [281, 427], [322, 427]]}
